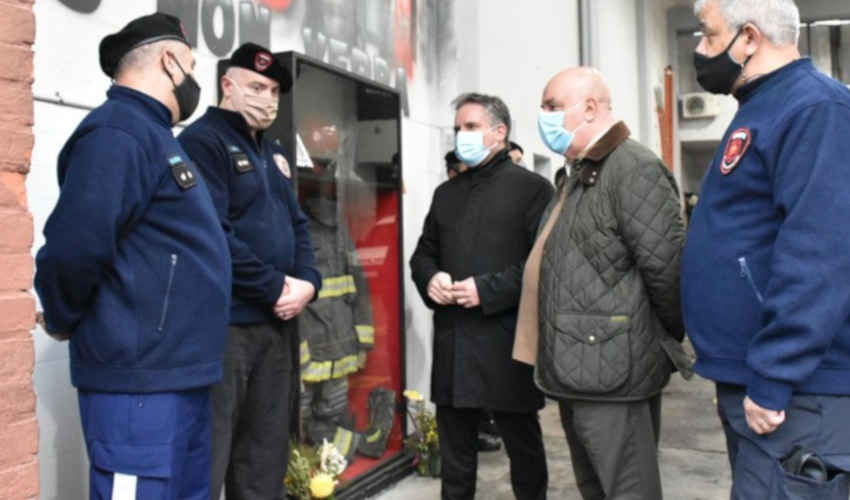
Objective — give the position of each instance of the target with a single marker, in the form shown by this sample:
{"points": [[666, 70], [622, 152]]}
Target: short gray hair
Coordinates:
{"points": [[142, 56], [778, 20], [496, 108]]}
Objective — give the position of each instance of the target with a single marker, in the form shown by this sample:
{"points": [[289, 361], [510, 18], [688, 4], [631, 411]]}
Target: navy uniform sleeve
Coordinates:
{"points": [[253, 280], [305, 267], [105, 183], [806, 300]]}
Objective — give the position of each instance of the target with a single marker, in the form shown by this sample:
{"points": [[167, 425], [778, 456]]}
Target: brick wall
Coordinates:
{"points": [[18, 426]]}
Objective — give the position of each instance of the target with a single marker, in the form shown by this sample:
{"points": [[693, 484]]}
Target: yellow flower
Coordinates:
{"points": [[431, 437], [413, 395], [322, 485]]}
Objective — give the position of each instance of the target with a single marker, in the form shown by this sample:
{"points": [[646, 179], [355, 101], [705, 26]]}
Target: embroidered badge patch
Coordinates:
{"points": [[182, 173], [262, 61], [240, 160], [283, 165], [736, 146]]}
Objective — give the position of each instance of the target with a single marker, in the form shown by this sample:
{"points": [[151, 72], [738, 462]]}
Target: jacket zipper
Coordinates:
{"points": [[745, 273], [167, 292]]}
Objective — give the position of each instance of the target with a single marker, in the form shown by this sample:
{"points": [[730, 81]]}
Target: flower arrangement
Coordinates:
{"points": [[424, 441], [314, 473]]}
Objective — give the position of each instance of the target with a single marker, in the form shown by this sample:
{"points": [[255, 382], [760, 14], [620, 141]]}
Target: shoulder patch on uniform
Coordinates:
{"points": [[240, 160], [283, 165], [182, 174], [736, 147]]}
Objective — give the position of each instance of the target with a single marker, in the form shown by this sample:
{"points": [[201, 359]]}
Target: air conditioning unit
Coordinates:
{"points": [[700, 105]]}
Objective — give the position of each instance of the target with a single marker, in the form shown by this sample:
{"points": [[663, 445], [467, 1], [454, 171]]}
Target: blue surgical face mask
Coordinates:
{"points": [[552, 131], [470, 148]]}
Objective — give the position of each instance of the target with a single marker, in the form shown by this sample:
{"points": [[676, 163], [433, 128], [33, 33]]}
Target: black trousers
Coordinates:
{"points": [[252, 407], [614, 448], [458, 428]]}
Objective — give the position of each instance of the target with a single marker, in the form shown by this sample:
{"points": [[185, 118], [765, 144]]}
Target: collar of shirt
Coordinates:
{"points": [[150, 106], [238, 123], [593, 142], [485, 169], [754, 86]]}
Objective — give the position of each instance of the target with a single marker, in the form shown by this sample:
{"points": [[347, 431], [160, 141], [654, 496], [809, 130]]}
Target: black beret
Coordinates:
{"points": [[259, 60], [140, 31]]}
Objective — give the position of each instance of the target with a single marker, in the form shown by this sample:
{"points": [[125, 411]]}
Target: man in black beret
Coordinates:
{"points": [[135, 271], [274, 276]]}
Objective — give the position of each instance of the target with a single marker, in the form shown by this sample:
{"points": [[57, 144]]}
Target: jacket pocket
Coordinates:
{"points": [[592, 352], [747, 275], [164, 312]]}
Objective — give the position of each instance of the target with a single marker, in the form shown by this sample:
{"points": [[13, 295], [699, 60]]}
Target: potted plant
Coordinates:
{"points": [[313, 473], [424, 442]]}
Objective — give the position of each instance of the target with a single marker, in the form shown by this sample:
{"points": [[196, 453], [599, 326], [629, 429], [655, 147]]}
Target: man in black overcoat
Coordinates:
{"points": [[468, 268]]}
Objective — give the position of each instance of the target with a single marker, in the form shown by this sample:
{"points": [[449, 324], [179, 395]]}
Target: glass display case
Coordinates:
{"points": [[342, 134]]}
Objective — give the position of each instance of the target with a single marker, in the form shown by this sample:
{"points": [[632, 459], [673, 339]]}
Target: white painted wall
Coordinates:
{"points": [[619, 29], [511, 49]]}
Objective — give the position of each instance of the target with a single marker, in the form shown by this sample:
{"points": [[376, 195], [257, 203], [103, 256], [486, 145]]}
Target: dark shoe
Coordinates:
{"points": [[487, 443], [381, 416], [487, 425]]}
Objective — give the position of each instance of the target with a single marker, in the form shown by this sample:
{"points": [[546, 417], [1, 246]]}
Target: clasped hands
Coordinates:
{"points": [[294, 297], [444, 291]]}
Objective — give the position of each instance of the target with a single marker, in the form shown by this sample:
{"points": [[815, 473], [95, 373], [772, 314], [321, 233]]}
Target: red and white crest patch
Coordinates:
{"points": [[283, 165], [736, 147], [262, 61]]}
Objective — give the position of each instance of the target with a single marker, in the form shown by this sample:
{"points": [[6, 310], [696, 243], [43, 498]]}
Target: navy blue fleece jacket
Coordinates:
{"points": [[135, 265], [269, 234], [766, 265]]}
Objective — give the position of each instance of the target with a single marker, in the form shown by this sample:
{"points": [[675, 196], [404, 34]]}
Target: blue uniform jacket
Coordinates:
{"points": [[269, 235], [135, 264], [766, 266]]}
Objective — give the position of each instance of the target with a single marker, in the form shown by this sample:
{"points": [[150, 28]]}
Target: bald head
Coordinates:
{"points": [[580, 83], [583, 95]]}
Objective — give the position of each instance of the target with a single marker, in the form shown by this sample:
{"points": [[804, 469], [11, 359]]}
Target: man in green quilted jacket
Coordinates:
{"points": [[601, 291]]}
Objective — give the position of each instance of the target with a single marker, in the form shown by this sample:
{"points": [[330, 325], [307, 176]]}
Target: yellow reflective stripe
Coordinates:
{"points": [[337, 286], [305, 352], [344, 366], [365, 334], [374, 436], [342, 440], [316, 371]]}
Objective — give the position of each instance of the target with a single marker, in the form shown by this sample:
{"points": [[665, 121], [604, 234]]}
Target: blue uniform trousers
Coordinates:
{"points": [[148, 446], [816, 422]]}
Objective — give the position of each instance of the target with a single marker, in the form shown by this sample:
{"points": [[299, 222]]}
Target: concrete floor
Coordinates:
{"points": [[693, 454]]}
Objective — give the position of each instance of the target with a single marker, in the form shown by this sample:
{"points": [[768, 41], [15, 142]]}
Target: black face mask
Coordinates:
{"points": [[188, 93], [718, 74]]}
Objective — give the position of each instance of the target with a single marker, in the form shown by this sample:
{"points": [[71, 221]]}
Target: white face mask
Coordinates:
{"points": [[259, 112]]}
